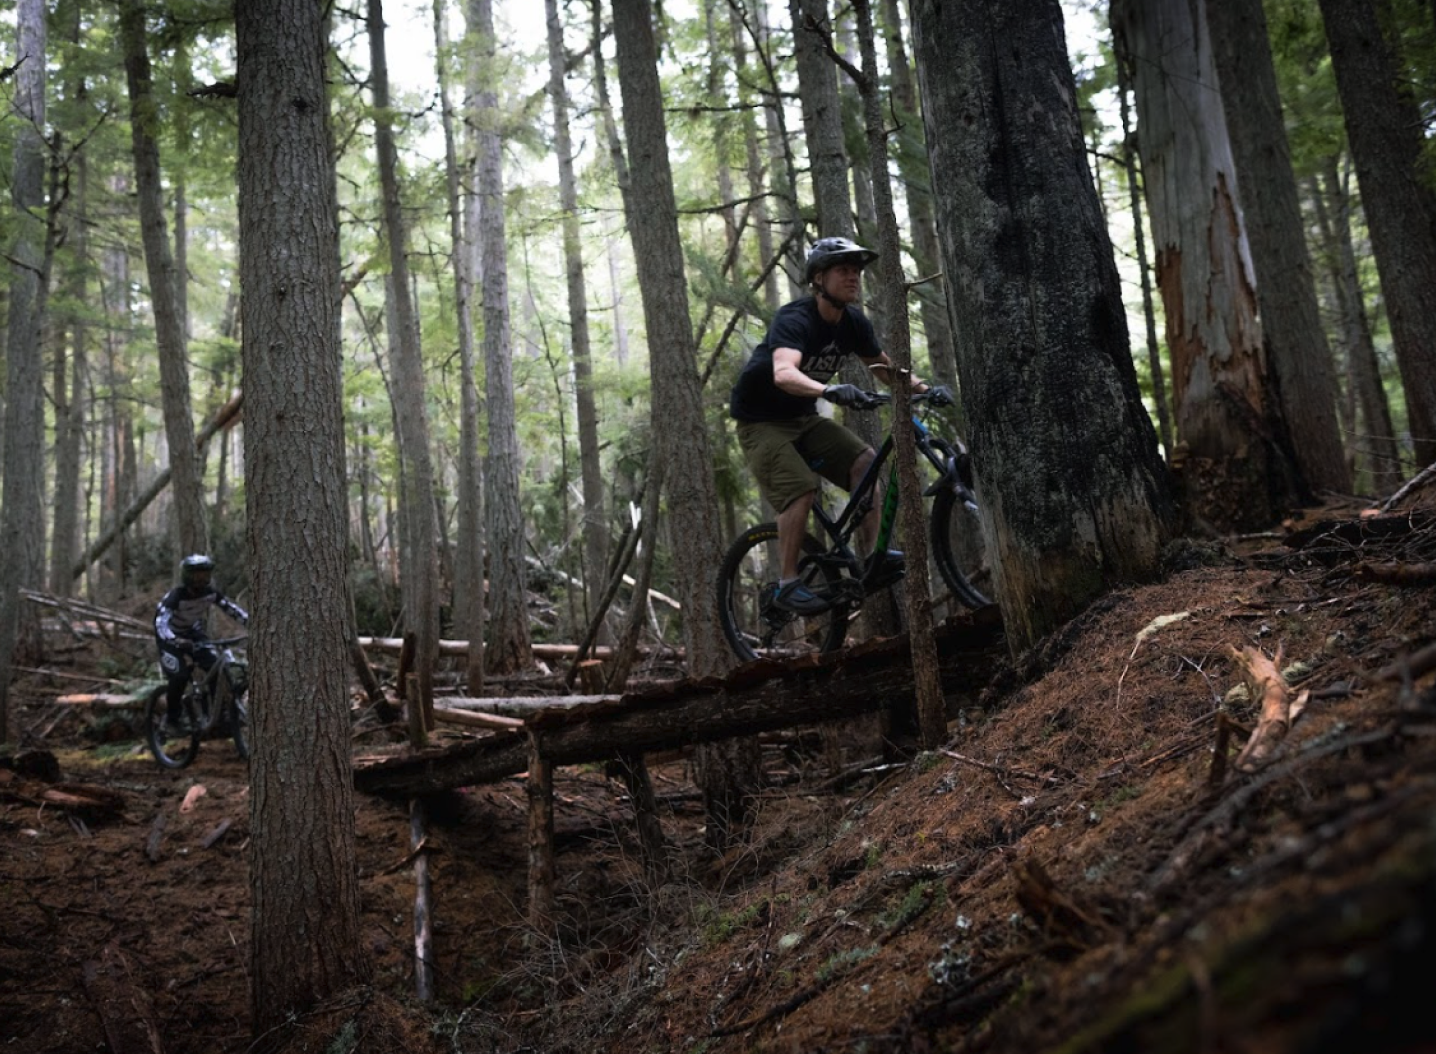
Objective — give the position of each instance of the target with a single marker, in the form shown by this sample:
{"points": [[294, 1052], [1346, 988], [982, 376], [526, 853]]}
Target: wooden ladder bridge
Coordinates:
{"points": [[759, 697]]}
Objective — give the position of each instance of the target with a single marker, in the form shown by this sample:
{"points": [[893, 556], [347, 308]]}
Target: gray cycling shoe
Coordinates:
{"points": [[799, 599]]}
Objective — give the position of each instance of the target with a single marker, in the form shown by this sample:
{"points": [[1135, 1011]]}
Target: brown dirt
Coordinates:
{"points": [[1064, 876]]}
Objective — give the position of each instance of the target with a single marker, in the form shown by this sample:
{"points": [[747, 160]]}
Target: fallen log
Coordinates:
{"points": [[461, 647], [759, 697], [523, 706]]}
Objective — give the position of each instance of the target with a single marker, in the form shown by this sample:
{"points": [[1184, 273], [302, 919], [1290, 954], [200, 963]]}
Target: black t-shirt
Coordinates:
{"points": [[823, 344]]}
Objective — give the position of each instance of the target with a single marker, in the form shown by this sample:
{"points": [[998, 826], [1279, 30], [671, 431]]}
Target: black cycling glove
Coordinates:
{"points": [[851, 395], [940, 395]]}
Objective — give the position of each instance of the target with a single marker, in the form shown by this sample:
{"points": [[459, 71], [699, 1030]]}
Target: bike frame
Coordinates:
{"points": [[840, 529]]}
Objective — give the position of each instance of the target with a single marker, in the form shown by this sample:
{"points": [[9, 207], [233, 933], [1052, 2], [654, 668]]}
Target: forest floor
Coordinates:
{"points": [[1081, 868]]}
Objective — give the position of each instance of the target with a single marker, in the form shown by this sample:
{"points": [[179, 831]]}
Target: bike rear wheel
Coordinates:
{"points": [[747, 581], [958, 549], [173, 751]]}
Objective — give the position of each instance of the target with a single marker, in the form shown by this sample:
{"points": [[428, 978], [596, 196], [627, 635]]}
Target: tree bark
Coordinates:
{"points": [[595, 518], [1383, 127], [932, 718], [191, 529], [1375, 436], [728, 774], [509, 641], [1073, 492], [22, 522], [469, 602], [306, 939], [917, 186], [1286, 293], [420, 573]]}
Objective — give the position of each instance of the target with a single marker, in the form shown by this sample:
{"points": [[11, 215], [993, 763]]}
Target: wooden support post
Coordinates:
{"points": [[590, 676], [634, 771], [413, 697], [423, 931], [541, 863]]}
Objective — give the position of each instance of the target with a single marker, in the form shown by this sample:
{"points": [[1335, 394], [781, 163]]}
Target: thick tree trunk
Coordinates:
{"points": [[305, 944], [22, 523], [1236, 469], [1291, 321], [192, 530], [1074, 495], [1383, 126], [509, 639], [419, 574], [727, 773]]}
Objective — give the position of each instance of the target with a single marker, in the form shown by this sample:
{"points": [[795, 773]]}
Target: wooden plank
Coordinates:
{"points": [[476, 720]]}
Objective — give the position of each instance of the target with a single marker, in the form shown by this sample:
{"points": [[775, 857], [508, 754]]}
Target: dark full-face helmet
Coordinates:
{"points": [[196, 570], [829, 252]]}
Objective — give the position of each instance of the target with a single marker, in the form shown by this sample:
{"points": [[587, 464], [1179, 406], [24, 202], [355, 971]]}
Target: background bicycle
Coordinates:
{"points": [[214, 701], [834, 570]]}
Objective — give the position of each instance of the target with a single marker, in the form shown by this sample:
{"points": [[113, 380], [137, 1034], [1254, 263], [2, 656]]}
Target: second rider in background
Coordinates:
{"points": [[785, 441]]}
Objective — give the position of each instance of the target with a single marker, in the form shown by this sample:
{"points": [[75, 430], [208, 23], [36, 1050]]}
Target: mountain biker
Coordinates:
{"points": [[180, 629], [785, 441]]}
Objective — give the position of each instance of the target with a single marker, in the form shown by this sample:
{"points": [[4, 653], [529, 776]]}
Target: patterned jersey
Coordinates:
{"points": [[183, 614]]}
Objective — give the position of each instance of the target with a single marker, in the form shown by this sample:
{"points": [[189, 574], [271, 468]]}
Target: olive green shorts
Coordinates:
{"points": [[787, 457]]}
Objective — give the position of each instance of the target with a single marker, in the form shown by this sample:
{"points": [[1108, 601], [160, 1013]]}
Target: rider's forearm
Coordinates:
{"points": [[885, 372], [796, 382]]}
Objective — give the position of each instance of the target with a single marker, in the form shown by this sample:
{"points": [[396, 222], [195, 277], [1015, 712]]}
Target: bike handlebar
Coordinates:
{"points": [[883, 398], [224, 642]]}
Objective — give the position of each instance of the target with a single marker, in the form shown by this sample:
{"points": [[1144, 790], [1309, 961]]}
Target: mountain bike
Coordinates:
{"points": [[214, 701], [833, 569]]}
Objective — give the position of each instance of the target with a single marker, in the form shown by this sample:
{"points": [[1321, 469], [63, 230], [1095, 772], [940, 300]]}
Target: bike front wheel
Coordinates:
{"points": [[747, 582], [958, 548], [172, 749]]}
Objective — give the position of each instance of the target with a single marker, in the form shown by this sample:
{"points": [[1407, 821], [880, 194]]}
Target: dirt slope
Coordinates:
{"points": [[1073, 873]]}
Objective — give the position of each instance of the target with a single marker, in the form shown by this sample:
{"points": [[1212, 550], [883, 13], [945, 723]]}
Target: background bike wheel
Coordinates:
{"points": [[239, 714], [173, 752], [239, 723], [749, 571], [958, 550]]}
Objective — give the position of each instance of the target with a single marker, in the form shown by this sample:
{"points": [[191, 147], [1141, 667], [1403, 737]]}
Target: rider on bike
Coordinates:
{"points": [[785, 441], [180, 629]]}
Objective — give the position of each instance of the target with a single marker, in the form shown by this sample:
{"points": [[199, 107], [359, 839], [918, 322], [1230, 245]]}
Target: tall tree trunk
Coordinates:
{"points": [[1291, 321], [192, 532], [69, 392], [469, 601], [1139, 237], [738, 36], [22, 522], [727, 772], [1375, 437], [1384, 129], [595, 518], [1236, 465], [1073, 493], [822, 117], [931, 712], [917, 184], [305, 932], [419, 576], [510, 644]]}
